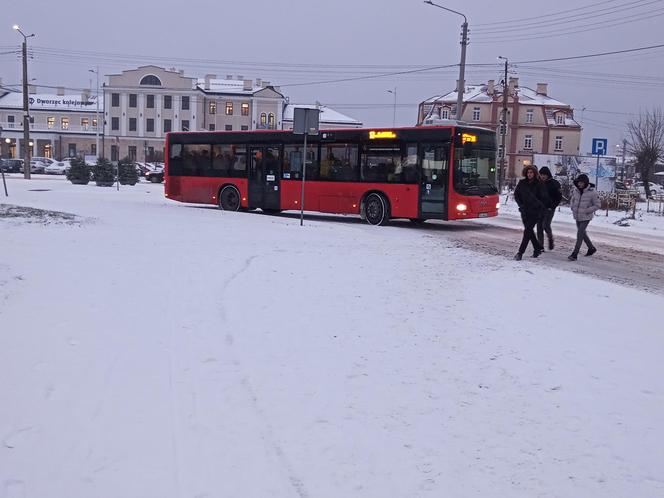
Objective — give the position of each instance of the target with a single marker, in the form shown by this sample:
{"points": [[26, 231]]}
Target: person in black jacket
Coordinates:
{"points": [[555, 195], [530, 195]]}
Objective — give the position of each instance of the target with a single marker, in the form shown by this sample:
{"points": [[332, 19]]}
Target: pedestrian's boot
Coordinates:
{"points": [[551, 244], [572, 257], [518, 256], [591, 251], [537, 252]]}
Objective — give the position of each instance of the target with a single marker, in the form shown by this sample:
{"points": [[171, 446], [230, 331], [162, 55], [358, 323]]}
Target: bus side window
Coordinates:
{"points": [[175, 160], [409, 164]]}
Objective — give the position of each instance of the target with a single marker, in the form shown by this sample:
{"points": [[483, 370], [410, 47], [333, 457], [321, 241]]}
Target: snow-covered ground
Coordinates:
{"points": [[151, 348]]}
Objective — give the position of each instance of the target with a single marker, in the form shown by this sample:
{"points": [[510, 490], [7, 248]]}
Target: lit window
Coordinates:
{"points": [[50, 122], [85, 123], [528, 142], [213, 108], [558, 143], [263, 120], [64, 123], [476, 113], [245, 109], [94, 123], [529, 116], [229, 108], [270, 121]]}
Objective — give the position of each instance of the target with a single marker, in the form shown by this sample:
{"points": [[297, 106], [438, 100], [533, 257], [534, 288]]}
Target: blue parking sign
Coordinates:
{"points": [[600, 146]]}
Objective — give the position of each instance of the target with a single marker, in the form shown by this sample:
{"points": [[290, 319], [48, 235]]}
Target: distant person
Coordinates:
{"points": [[530, 195], [555, 195], [584, 201]]}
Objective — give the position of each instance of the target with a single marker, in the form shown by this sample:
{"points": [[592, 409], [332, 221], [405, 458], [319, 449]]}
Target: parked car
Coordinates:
{"points": [[58, 167], [654, 188], [156, 176], [11, 165], [39, 163]]}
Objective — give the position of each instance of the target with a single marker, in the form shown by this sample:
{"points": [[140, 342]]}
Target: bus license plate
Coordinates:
{"points": [[483, 215]]}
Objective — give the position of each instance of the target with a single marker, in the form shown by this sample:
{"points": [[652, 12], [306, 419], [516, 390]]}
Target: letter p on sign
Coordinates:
{"points": [[600, 146]]}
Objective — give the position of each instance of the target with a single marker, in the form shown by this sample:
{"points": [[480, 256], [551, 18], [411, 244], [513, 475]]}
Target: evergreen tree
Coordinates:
{"points": [[79, 173], [104, 173], [127, 172]]}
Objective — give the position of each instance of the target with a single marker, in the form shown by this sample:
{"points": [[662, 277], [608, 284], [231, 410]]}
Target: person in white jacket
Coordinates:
{"points": [[584, 202]]}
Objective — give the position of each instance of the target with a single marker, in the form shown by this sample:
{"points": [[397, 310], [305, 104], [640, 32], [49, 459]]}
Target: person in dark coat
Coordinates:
{"points": [[555, 195], [530, 195], [584, 201]]}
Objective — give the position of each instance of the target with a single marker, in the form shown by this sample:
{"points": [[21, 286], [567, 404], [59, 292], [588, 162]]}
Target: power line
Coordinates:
{"points": [[550, 15]]}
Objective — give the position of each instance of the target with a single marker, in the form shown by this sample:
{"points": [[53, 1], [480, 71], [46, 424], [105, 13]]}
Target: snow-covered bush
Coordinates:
{"points": [[104, 173], [79, 173], [127, 172]]}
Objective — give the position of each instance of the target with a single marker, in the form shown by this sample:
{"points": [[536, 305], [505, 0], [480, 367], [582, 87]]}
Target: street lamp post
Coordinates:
{"points": [[26, 111], [503, 128], [394, 114], [96, 72], [462, 65]]}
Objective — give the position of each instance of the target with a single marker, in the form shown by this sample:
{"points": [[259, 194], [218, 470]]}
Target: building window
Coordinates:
{"points": [[71, 150], [229, 128], [93, 149], [132, 124], [85, 123], [115, 152], [263, 120], [115, 100], [229, 108], [149, 125], [131, 152], [132, 100], [270, 121], [560, 119], [94, 123], [167, 125], [244, 109], [244, 128], [64, 123], [185, 103], [150, 102], [529, 116], [211, 127], [528, 142], [558, 144], [168, 102], [213, 108], [10, 120], [150, 79], [115, 123], [185, 125], [50, 122], [476, 113], [445, 113]]}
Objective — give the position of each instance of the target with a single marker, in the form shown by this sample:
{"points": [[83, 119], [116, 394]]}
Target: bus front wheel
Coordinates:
{"points": [[229, 198], [376, 209]]}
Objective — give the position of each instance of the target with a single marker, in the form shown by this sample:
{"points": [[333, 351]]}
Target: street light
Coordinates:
{"points": [[462, 65], [394, 114], [26, 109], [96, 71], [503, 127]]}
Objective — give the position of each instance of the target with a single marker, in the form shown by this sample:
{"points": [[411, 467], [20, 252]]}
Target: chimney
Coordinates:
{"points": [[259, 82], [85, 95], [61, 90], [209, 77], [490, 87], [266, 83], [247, 84], [513, 84], [32, 89], [542, 88]]}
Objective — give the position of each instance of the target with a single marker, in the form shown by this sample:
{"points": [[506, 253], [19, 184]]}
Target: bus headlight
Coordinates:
{"points": [[461, 207]]}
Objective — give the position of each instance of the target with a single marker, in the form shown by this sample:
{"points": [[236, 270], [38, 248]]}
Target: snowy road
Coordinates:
{"points": [[150, 348]]}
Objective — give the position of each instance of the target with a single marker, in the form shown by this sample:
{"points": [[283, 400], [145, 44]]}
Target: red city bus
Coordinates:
{"points": [[431, 172]]}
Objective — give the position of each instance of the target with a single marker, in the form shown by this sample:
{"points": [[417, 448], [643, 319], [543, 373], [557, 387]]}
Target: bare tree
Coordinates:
{"points": [[646, 143]]}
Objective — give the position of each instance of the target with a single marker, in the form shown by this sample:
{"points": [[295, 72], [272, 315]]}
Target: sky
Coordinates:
{"points": [[306, 47]]}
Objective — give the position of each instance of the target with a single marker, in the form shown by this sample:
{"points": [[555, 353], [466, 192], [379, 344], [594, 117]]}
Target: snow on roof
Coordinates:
{"points": [[43, 101], [478, 93], [227, 86], [327, 115]]}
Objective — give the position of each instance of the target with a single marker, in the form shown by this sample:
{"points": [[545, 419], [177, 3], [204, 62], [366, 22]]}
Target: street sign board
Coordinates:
{"points": [[305, 121], [600, 146]]}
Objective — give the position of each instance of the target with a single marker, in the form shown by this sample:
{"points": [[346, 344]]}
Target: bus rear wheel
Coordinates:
{"points": [[376, 209], [229, 198]]}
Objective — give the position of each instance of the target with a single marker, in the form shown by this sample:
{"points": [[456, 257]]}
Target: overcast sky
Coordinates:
{"points": [[298, 41]]}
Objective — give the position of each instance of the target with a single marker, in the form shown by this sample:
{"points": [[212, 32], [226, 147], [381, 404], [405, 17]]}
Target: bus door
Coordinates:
{"points": [[264, 174], [434, 181]]}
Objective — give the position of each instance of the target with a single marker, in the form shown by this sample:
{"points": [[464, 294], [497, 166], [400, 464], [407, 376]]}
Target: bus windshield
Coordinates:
{"points": [[475, 170]]}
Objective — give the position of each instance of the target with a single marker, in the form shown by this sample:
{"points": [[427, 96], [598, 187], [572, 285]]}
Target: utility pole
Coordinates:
{"points": [[503, 128], [394, 114], [96, 71], [27, 150], [622, 171], [462, 64]]}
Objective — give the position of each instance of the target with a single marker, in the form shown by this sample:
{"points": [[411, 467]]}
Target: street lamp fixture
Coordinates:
{"points": [[462, 64]]}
